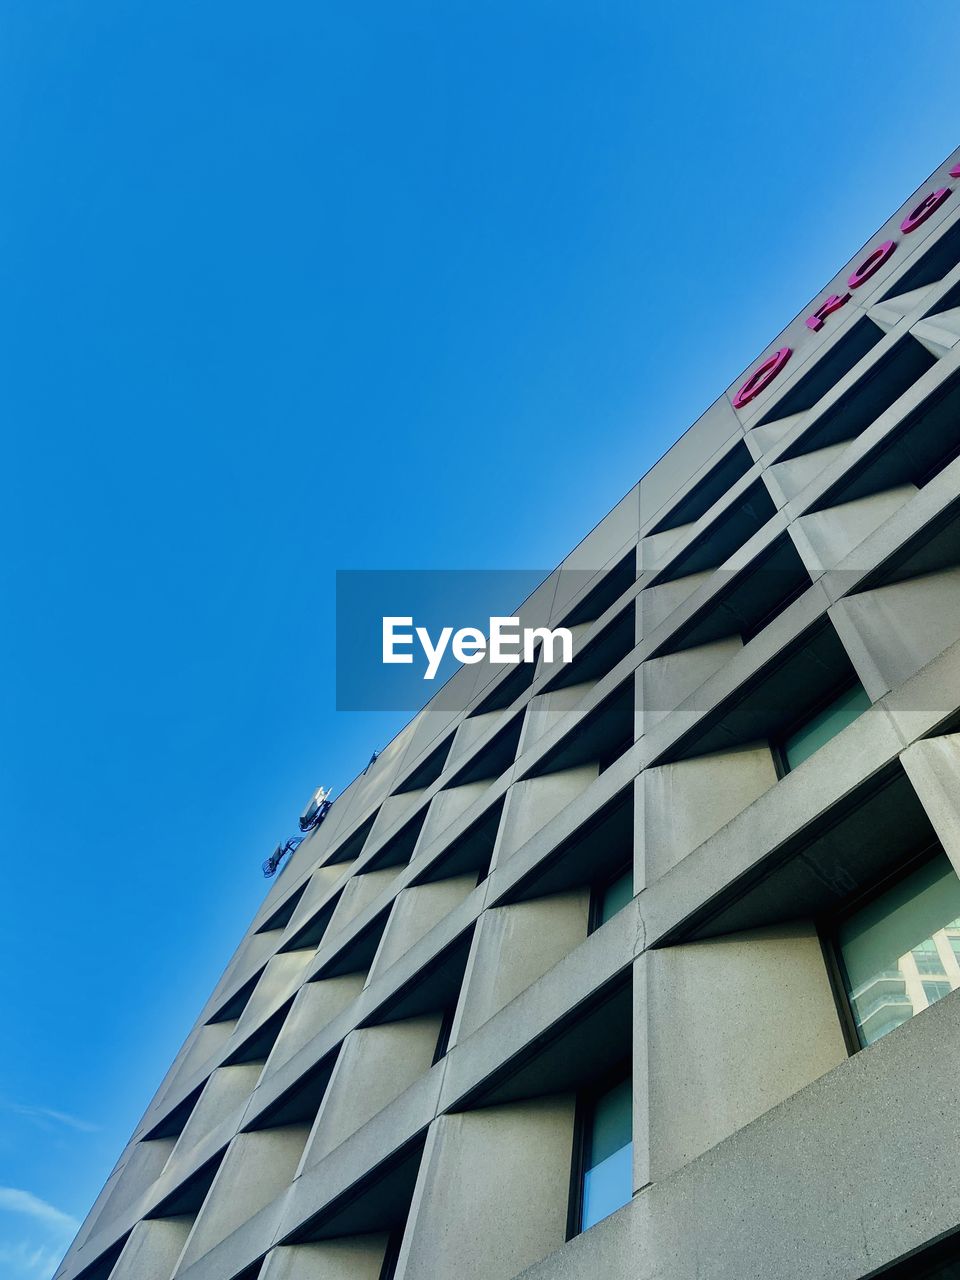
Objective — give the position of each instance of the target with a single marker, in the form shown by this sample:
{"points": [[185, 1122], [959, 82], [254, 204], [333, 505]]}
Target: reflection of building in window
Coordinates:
{"points": [[901, 952]]}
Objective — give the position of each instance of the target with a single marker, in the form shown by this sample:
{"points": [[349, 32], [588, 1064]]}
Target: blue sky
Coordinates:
{"points": [[301, 287]]}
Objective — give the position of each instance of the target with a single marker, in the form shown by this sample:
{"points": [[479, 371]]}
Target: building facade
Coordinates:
{"points": [[642, 968]]}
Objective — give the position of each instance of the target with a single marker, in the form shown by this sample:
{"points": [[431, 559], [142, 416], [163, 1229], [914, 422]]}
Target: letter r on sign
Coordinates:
{"points": [[833, 303]]}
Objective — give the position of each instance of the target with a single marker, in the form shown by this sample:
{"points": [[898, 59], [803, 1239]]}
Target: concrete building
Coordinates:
{"points": [[641, 969]]}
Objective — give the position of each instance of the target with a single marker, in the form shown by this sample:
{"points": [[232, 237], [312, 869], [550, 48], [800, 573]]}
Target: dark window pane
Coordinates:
{"points": [[616, 895], [826, 724]]}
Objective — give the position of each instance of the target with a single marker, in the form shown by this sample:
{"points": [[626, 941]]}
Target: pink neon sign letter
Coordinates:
{"points": [[762, 377], [833, 303], [872, 264]]}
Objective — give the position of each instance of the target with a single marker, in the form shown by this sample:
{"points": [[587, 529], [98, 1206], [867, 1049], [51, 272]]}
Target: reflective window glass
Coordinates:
{"points": [[608, 1155], [826, 724], [890, 943]]}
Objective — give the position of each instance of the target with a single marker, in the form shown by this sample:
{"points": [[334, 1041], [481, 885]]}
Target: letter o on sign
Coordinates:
{"points": [[872, 264], [924, 209], [762, 377]]}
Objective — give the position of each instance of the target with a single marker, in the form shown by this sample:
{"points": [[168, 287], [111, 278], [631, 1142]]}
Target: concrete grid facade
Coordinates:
{"points": [[391, 1077]]}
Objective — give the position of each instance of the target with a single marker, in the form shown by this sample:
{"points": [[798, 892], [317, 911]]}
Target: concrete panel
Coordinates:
{"points": [[736, 1025], [579, 634], [514, 946], [224, 1095], [357, 894], [502, 1175], [470, 731], [918, 705], [352, 1258], [546, 710], [319, 886], [140, 1170], [680, 805], [574, 981], [532, 803], [766, 438], [439, 716], [316, 1004], [255, 949], [603, 545], [879, 628], [827, 779], [933, 767], [657, 548], [939, 333], [204, 1046], [665, 682], [824, 538], [835, 1183], [393, 812], [692, 456], [152, 1249], [336, 1177], [376, 1065], [889, 313], [655, 604], [280, 979], [788, 479], [257, 1168], [415, 911], [446, 807]]}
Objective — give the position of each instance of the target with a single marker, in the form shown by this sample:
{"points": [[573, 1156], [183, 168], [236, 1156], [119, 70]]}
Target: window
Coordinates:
{"points": [[879, 945], [443, 1035], [816, 731], [391, 1256], [605, 1173], [927, 959], [936, 991], [610, 897]]}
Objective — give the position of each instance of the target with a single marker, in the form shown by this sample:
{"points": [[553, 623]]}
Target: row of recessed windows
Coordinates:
{"points": [[896, 952], [880, 385]]}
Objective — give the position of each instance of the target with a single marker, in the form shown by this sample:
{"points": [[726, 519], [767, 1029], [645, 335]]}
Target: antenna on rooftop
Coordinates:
{"points": [[280, 852], [316, 810], [310, 819]]}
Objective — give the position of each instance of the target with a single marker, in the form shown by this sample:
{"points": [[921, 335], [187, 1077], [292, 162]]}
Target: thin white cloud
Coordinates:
{"points": [[42, 1114], [13, 1200], [37, 1262]]}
